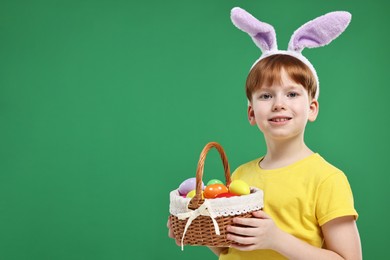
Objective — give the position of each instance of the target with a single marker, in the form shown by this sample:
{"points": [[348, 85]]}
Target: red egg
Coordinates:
{"points": [[212, 191], [226, 195]]}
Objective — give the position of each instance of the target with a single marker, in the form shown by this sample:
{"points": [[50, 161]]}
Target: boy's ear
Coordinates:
{"points": [[314, 109], [251, 114]]}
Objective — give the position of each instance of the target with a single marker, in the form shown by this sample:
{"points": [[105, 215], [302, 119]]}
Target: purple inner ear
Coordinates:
{"points": [[262, 34], [265, 40], [320, 31], [307, 41]]}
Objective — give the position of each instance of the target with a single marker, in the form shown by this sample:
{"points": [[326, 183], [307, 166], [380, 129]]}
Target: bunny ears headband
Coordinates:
{"points": [[316, 33]]}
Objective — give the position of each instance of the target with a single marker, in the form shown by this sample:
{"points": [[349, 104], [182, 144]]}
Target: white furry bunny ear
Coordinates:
{"points": [[262, 34], [320, 31]]}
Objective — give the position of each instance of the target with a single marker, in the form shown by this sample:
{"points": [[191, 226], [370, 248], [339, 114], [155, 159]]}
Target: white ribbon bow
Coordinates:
{"points": [[204, 210]]}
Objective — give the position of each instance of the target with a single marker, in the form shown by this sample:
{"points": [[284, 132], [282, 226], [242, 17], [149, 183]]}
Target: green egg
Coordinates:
{"points": [[214, 181]]}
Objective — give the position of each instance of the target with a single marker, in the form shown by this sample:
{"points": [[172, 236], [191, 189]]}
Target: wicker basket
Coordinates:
{"points": [[200, 221]]}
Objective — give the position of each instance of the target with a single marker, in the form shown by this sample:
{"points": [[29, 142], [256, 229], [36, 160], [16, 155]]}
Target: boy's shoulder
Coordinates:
{"points": [[317, 160], [321, 165]]}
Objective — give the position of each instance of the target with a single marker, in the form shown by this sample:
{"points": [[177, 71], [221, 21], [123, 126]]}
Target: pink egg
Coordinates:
{"points": [[188, 185]]}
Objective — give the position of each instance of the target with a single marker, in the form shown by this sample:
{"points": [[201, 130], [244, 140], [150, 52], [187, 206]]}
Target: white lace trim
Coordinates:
{"points": [[220, 206]]}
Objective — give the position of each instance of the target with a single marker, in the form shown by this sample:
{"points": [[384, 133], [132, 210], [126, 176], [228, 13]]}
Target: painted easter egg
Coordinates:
{"points": [[188, 185], [192, 193], [239, 187], [212, 191], [214, 181]]}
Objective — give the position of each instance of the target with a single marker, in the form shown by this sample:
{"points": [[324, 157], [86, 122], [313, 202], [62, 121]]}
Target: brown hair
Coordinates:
{"points": [[268, 71]]}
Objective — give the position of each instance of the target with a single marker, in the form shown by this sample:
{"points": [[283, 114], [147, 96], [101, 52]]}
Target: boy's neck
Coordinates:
{"points": [[282, 153]]}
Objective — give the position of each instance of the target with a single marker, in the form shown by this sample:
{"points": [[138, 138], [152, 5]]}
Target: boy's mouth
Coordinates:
{"points": [[279, 119]]}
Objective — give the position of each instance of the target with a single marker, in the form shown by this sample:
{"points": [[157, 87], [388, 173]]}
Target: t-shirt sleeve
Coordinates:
{"points": [[334, 199]]}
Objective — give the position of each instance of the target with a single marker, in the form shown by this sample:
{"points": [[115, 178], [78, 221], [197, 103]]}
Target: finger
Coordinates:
{"points": [[249, 222], [240, 239], [242, 231], [260, 214], [171, 234], [170, 231]]}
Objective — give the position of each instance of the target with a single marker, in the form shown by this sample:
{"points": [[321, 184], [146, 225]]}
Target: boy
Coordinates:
{"points": [[308, 205], [307, 201]]}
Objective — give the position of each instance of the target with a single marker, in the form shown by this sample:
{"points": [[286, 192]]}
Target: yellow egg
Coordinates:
{"points": [[239, 187], [192, 193]]}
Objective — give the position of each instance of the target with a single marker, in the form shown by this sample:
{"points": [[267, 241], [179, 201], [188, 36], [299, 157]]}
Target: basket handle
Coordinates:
{"points": [[197, 200]]}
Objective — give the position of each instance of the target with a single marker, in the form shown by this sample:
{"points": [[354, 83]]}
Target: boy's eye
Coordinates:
{"points": [[292, 94], [265, 96]]}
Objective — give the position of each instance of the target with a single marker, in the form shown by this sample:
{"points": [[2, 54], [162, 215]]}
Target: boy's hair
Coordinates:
{"points": [[268, 71]]}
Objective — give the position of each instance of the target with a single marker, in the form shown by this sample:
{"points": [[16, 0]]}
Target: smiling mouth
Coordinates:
{"points": [[280, 119]]}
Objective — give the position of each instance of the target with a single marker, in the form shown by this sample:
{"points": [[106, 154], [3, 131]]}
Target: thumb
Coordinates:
{"points": [[261, 214]]}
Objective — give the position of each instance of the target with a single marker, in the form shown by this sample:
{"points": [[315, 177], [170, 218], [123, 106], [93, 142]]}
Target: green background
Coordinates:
{"points": [[106, 105]]}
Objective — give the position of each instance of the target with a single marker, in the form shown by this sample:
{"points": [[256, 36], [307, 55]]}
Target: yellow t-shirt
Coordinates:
{"points": [[300, 198]]}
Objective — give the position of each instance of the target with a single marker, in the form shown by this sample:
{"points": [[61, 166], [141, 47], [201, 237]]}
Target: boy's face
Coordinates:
{"points": [[281, 111]]}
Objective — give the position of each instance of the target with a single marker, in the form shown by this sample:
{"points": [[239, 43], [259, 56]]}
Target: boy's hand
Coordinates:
{"points": [[259, 232], [170, 232]]}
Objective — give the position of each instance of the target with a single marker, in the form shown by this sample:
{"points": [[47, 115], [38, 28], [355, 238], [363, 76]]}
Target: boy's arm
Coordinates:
{"points": [[341, 239], [341, 235]]}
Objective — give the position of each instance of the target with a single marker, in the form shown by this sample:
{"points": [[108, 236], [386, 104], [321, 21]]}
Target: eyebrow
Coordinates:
{"points": [[294, 87], [288, 87]]}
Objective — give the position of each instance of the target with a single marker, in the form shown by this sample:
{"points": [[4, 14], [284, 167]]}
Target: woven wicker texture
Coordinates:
{"points": [[202, 229]]}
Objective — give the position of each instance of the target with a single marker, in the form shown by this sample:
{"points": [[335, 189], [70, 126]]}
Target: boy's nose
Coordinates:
{"points": [[278, 104]]}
